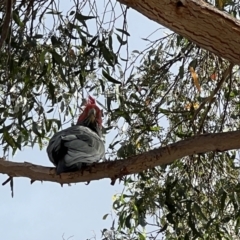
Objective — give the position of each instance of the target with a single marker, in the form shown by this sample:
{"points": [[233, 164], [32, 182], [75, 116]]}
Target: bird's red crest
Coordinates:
{"points": [[91, 103]]}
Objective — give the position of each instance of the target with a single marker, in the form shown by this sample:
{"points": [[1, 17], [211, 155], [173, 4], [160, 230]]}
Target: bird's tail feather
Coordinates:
{"points": [[62, 167], [72, 158]]}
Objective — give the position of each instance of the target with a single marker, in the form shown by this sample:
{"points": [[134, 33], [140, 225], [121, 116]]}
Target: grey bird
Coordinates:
{"points": [[80, 145]]}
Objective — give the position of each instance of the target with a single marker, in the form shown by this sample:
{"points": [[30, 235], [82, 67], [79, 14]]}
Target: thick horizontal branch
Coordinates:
{"points": [[196, 20], [114, 169]]}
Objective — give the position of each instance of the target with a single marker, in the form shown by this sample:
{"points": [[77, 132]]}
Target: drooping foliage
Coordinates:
{"points": [[52, 57]]}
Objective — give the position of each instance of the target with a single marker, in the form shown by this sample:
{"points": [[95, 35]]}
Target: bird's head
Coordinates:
{"points": [[91, 116]]}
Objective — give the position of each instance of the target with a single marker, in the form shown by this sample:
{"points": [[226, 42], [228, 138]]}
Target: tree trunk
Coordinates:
{"points": [[198, 21]]}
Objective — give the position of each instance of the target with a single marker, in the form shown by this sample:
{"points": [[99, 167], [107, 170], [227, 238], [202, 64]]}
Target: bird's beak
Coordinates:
{"points": [[91, 118]]}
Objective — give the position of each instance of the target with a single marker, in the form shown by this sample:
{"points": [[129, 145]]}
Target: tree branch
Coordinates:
{"points": [[135, 164], [198, 21]]}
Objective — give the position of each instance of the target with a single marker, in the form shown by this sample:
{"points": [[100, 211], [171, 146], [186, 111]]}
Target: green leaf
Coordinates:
{"points": [[141, 236], [42, 57], [93, 40], [50, 110], [226, 219], [110, 57], [57, 122], [199, 210], [110, 42], [135, 209], [17, 19], [141, 220], [9, 139], [70, 111], [55, 41], [128, 221], [19, 142], [109, 78], [60, 70], [237, 226], [193, 63], [81, 17], [57, 57], [170, 218], [122, 197], [40, 144], [193, 226], [123, 31], [105, 216], [62, 106], [54, 12], [35, 129], [59, 99], [51, 89], [109, 100], [48, 125], [122, 42], [181, 72], [223, 199], [2, 121], [111, 146], [102, 85], [164, 111], [121, 219], [154, 129], [136, 51], [179, 39], [37, 36]]}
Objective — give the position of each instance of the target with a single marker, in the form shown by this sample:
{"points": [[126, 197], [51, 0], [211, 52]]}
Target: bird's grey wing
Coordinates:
{"points": [[74, 145]]}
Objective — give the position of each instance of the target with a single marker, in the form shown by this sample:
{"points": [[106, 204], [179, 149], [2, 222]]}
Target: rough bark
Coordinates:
{"points": [[196, 20], [115, 169]]}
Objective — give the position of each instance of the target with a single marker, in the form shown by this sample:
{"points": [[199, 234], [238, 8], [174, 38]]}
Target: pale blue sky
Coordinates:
{"points": [[46, 210]]}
